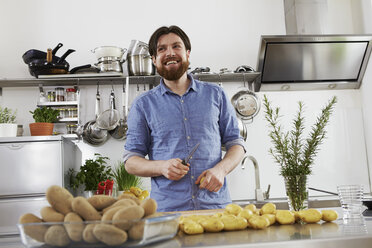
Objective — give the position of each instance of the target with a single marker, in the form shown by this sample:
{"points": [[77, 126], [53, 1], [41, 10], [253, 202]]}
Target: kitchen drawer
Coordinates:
{"points": [[30, 167], [12, 208]]}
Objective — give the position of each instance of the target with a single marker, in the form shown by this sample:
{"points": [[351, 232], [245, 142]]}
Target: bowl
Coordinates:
{"points": [[368, 204], [62, 234]]}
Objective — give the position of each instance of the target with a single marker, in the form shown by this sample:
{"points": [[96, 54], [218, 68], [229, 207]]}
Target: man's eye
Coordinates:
{"points": [[160, 49]]}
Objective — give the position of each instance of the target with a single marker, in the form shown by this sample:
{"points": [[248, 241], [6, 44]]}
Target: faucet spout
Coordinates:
{"points": [[260, 195]]}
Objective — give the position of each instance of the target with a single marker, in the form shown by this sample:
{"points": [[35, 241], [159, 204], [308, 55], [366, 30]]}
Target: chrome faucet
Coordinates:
{"points": [[260, 195]]}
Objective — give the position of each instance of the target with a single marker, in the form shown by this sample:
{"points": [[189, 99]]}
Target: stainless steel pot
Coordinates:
{"points": [[246, 104], [137, 47], [140, 65], [110, 66]]}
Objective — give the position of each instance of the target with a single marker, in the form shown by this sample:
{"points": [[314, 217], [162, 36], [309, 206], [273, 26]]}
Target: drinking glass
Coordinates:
{"points": [[351, 198]]}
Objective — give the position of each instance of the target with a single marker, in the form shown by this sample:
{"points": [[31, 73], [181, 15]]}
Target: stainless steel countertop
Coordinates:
{"points": [[323, 234]]}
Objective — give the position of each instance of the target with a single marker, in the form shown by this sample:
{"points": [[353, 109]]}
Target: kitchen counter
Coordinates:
{"points": [[323, 234]]}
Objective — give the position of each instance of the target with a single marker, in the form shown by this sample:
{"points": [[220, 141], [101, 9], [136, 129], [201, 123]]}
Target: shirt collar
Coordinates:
{"points": [[193, 85]]}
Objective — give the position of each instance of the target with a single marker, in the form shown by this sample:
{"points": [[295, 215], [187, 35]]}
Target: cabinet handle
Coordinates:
{"points": [[15, 146]]}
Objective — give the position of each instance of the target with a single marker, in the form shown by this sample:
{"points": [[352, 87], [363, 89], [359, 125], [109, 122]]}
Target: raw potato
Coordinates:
{"points": [[88, 235], [127, 215], [82, 207], [60, 199], [100, 202], [36, 232], [150, 206], [231, 223], [251, 207], [310, 215], [50, 215], [110, 213], [122, 203], [109, 234], [212, 224], [285, 217], [270, 217], [268, 208], [136, 231], [74, 230], [191, 227], [57, 236], [233, 209], [258, 222], [329, 215], [246, 213], [126, 196]]}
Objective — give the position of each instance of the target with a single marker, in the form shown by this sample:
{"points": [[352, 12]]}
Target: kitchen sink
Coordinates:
{"points": [[281, 203]]}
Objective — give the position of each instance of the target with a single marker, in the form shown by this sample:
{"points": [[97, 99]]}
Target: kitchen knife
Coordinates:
{"points": [[186, 160]]}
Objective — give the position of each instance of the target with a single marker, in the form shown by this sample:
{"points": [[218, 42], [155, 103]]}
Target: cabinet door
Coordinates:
{"points": [[30, 167]]}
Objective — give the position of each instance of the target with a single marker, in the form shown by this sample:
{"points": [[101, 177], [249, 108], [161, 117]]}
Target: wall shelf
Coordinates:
{"points": [[108, 80]]}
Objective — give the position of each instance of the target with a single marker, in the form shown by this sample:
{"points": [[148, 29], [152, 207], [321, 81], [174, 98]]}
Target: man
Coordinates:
{"points": [[166, 122]]}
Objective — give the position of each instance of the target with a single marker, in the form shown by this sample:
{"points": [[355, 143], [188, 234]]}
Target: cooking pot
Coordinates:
{"points": [[246, 104], [137, 47], [140, 65], [109, 51]]}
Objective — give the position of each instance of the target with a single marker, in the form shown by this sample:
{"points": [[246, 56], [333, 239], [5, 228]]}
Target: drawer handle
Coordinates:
{"points": [[15, 146]]}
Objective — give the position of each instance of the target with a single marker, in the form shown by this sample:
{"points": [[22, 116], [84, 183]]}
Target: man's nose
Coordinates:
{"points": [[170, 51]]}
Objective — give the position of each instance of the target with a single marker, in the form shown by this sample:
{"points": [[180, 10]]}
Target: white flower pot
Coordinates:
{"points": [[8, 130]]}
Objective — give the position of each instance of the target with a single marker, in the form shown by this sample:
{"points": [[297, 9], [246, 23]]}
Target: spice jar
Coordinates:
{"points": [[70, 94], [62, 113], [71, 128], [60, 94], [51, 96]]}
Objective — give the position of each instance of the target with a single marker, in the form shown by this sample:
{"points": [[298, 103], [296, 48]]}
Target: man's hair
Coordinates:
{"points": [[153, 42]]}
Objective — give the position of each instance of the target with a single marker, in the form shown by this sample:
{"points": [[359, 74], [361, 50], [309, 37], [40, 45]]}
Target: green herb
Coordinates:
{"points": [[45, 114], [292, 152], [7, 115], [91, 173], [123, 179]]}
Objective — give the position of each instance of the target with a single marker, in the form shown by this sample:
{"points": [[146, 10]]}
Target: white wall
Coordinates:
{"points": [[223, 34]]}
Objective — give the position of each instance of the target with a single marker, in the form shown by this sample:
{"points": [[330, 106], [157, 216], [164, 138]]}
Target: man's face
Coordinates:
{"points": [[172, 59]]}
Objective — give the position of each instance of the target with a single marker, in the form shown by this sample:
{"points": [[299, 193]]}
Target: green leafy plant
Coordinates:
{"points": [[91, 173], [7, 115], [292, 152], [45, 114], [123, 179]]}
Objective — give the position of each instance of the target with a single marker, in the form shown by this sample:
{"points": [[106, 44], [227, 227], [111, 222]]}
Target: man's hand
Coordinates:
{"points": [[173, 169], [213, 179]]}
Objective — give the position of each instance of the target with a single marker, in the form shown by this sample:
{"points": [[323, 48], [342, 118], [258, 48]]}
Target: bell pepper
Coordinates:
{"points": [[101, 188]]}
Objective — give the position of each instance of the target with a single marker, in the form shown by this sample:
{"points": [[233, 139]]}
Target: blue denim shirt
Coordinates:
{"points": [[164, 125]]}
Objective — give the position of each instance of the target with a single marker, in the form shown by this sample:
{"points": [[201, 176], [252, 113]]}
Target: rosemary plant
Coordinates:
{"points": [[123, 179], [292, 152], [7, 115]]}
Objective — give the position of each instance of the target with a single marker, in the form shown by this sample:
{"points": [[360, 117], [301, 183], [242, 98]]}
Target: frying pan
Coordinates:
{"points": [[33, 54], [120, 132], [48, 66]]}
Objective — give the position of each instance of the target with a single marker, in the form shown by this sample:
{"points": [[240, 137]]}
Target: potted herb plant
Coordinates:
{"points": [[123, 179], [294, 154], [8, 126], [44, 118], [93, 172]]}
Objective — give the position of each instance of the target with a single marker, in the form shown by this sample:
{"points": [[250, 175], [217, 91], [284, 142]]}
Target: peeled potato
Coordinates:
{"points": [[329, 215], [251, 207], [234, 209], [246, 213], [310, 215], [191, 227], [231, 223], [212, 224], [268, 208], [285, 217], [258, 222], [270, 217]]}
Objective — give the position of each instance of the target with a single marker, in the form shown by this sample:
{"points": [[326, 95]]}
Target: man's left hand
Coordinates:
{"points": [[214, 179]]}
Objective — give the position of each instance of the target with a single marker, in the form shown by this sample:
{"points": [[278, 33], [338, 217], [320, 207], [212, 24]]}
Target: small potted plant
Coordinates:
{"points": [[44, 118], [124, 180], [91, 175], [8, 126]]}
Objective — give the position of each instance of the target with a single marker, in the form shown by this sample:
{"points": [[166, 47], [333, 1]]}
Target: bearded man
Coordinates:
{"points": [[166, 122]]}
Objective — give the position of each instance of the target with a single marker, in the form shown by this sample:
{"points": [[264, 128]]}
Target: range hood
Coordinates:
{"points": [[312, 62]]}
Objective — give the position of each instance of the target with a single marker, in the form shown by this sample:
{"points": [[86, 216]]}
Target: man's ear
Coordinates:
{"points": [[153, 59], [188, 54]]}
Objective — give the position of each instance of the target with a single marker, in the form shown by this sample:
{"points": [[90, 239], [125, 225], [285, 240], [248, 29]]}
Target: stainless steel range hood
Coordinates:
{"points": [[312, 62]]}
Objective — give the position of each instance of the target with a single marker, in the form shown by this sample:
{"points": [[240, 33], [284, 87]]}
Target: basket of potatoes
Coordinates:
{"points": [[235, 218], [99, 221]]}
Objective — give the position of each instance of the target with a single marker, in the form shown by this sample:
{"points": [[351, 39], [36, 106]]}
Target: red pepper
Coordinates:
{"points": [[109, 184], [101, 187]]}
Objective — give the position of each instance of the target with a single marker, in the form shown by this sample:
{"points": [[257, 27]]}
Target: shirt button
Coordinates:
{"points": [[185, 119], [188, 137], [193, 197], [181, 101], [192, 177]]}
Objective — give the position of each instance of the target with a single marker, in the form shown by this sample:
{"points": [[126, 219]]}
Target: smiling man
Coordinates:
{"points": [[166, 122]]}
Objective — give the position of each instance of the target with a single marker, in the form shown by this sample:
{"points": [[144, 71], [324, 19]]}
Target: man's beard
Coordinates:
{"points": [[173, 75]]}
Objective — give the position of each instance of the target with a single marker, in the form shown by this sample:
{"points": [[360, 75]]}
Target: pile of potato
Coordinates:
{"points": [[237, 218], [74, 210], [137, 192]]}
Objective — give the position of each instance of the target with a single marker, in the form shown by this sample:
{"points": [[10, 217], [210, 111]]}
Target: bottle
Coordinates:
{"points": [[70, 94], [60, 94]]}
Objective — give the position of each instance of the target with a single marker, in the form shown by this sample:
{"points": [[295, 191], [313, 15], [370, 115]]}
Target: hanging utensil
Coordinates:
{"points": [[120, 132], [109, 119]]}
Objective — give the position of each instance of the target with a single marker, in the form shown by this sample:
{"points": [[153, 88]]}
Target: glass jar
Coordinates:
{"points": [[51, 96], [60, 94], [71, 128], [70, 94], [62, 113]]}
